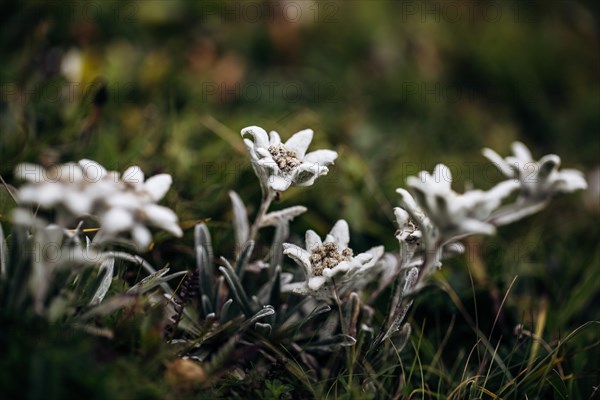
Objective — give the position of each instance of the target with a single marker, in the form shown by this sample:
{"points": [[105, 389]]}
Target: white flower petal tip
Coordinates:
{"points": [[539, 180], [282, 165], [158, 185], [440, 212]]}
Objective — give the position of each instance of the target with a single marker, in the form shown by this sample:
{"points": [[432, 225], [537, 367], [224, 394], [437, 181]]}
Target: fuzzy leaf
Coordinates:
{"points": [[3, 254], [275, 218], [154, 280], [401, 337], [274, 296], [108, 267], [263, 329], [236, 288], [351, 311], [282, 232], [206, 305], [223, 314], [204, 256], [339, 340], [240, 220], [242, 261], [265, 312]]}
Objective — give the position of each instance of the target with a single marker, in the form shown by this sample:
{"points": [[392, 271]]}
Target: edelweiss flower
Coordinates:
{"points": [[539, 179], [324, 261], [84, 189], [452, 213], [134, 207], [279, 165]]}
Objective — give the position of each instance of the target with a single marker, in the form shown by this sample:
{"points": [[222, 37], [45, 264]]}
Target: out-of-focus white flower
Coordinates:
{"points": [[456, 214], [124, 203], [328, 260], [134, 207], [72, 65], [539, 179], [279, 165]]}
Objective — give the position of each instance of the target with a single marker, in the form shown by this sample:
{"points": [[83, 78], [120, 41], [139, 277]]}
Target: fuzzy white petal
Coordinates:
{"points": [[321, 157], [141, 236], [299, 255], [299, 142], [117, 220], [163, 217], [279, 183], [521, 152], [498, 161], [274, 138], [312, 240], [133, 175], [92, 171], [158, 185], [259, 134], [341, 233]]}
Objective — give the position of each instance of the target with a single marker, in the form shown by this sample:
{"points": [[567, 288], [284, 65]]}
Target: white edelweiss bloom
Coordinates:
{"points": [[121, 204], [58, 186], [457, 214], [279, 165], [134, 207], [539, 179], [328, 260]]}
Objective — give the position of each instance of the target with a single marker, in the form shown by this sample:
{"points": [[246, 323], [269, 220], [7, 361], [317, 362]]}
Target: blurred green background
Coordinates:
{"points": [[394, 86]]}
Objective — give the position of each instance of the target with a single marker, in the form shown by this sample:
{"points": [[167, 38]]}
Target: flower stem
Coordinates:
{"points": [[262, 211]]}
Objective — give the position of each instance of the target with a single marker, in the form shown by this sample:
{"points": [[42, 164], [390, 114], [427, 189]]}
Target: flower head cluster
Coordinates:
{"points": [[455, 214], [125, 203], [539, 179], [280, 165], [324, 261]]}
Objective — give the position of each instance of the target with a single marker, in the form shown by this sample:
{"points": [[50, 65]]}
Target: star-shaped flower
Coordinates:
{"points": [[539, 179], [328, 260], [280, 165], [455, 214], [124, 203]]}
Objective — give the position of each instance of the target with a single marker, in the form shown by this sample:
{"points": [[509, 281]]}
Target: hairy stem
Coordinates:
{"points": [[262, 211]]}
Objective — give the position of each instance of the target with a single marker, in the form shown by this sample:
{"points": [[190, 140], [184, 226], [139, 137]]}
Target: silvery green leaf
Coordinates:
{"points": [[143, 263], [282, 232], [263, 329], [274, 296], [400, 338], [351, 311], [156, 279], [202, 238], [235, 286], [402, 305], [3, 254], [265, 312], [275, 218], [339, 340], [204, 257], [42, 271], [317, 311], [223, 314], [220, 294], [206, 306], [107, 267], [242, 261], [240, 221]]}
